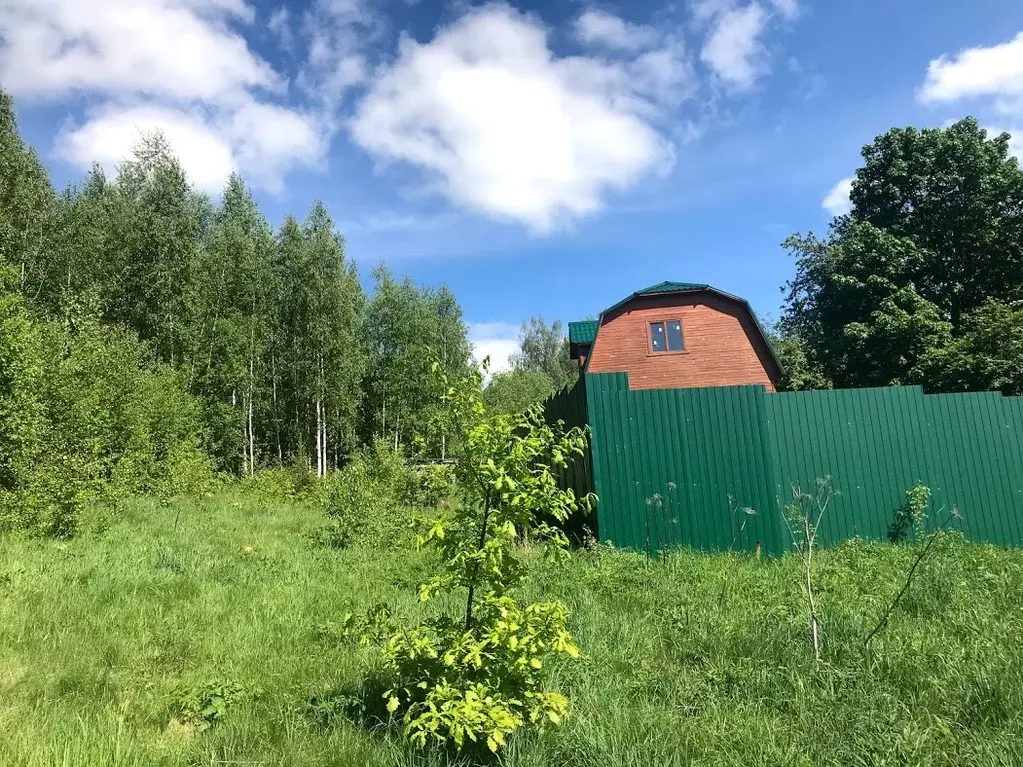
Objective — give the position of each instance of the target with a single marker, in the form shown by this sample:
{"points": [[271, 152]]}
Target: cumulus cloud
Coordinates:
{"points": [[837, 201], [995, 71], [507, 128], [733, 50], [178, 66], [496, 340], [110, 133], [178, 49], [262, 140]]}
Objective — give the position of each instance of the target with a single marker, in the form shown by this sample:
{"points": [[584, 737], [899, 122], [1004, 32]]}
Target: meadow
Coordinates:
{"points": [[200, 632]]}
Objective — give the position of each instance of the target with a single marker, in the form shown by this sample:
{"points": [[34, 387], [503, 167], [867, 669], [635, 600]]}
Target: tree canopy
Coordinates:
{"points": [[539, 368], [904, 288]]}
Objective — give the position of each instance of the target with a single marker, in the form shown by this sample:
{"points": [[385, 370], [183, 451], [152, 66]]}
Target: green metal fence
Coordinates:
{"points": [[569, 407], [686, 466]]}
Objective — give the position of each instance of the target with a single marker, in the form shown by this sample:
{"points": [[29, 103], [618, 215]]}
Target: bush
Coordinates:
{"points": [[366, 501], [429, 485], [87, 418]]}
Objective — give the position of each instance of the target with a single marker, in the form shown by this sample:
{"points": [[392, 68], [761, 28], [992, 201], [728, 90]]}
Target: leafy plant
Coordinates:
{"points": [[364, 500], [912, 515], [205, 704], [476, 677], [429, 485]]}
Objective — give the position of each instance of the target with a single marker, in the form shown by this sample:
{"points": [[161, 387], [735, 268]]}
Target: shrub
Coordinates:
{"points": [[365, 501], [86, 418], [429, 485], [477, 678]]}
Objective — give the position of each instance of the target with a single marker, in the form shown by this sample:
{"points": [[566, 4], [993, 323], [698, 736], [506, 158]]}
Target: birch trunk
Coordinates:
{"points": [[323, 411], [252, 435], [277, 412], [319, 435]]}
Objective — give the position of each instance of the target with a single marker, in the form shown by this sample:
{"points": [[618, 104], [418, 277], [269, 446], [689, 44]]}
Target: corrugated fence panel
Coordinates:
{"points": [[679, 466], [569, 407], [864, 442]]}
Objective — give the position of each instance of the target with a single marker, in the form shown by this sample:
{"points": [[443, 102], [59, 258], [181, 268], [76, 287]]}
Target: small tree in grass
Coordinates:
{"points": [[803, 518], [475, 676]]}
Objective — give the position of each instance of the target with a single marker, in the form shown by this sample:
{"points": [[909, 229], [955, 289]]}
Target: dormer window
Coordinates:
{"points": [[666, 336]]}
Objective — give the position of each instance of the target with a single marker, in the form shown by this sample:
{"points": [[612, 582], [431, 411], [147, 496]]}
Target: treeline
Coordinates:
{"points": [[147, 326]]}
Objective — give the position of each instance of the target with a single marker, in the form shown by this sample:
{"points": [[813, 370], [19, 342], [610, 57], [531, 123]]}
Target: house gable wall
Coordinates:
{"points": [[723, 346]]}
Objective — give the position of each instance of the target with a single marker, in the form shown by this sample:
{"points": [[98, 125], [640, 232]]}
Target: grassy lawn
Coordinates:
{"points": [[702, 659]]}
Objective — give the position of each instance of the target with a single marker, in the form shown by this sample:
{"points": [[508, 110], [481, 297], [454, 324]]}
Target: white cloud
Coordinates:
{"points": [[260, 140], [596, 27], [178, 66], [496, 340], [338, 33], [177, 49], [108, 136], [995, 71], [279, 24], [269, 140], [733, 50], [703, 11], [507, 128], [837, 202]]}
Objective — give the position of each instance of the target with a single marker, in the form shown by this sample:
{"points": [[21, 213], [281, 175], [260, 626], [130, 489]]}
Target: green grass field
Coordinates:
{"points": [[702, 659]]}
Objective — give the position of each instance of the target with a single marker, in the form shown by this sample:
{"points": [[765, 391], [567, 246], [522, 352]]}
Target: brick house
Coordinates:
{"points": [[677, 335]]}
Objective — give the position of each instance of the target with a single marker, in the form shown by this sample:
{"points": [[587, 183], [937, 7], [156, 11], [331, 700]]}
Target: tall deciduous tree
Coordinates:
{"points": [[935, 232], [543, 349], [26, 204], [407, 328]]}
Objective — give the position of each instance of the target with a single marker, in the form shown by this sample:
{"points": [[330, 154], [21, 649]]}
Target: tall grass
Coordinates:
{"points": [[699, 659]]}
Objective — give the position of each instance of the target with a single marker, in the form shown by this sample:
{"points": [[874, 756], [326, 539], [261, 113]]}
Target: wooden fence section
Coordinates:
{"points": [[685, 466]]}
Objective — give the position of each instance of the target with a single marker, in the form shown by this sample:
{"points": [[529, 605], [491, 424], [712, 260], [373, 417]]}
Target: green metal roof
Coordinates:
{"points": [[671, 287], [582, 332], [663, 287]]}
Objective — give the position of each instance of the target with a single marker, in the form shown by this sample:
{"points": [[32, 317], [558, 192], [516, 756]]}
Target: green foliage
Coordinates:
{"points": [[366, 501], [920, 283], [205, 704], [912, 515], [544, 349], [429, 485], [988, 354], [406, 327], [270, 332], [476, 678], [515, 391], [540, 368], [800, 372], [88, 419]]}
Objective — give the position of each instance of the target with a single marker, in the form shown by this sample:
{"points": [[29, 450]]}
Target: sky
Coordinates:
{"points": [[538, 158]]}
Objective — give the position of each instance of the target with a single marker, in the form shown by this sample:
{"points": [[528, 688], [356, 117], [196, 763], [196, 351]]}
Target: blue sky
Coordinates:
{"points": [[538, 158]]}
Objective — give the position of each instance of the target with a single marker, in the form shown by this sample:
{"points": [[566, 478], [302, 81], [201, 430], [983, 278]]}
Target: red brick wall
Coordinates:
{"points": [[722, 344]]}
